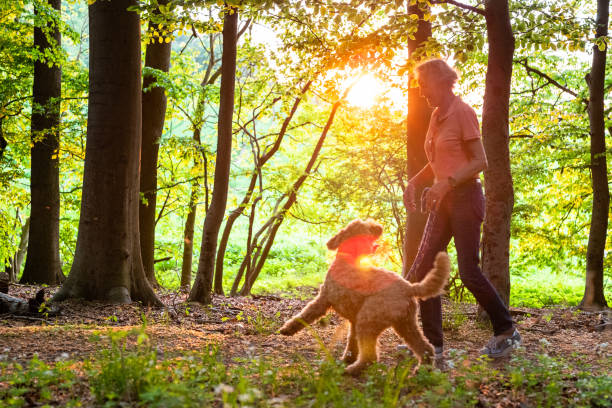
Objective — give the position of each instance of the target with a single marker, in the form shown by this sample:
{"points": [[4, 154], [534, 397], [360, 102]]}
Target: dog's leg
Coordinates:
{"points": [[313, 310], [367, 335], [351, 350], [414, 338]]}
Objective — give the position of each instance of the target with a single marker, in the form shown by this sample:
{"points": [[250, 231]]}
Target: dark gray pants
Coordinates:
{"points": [[459, 216]]}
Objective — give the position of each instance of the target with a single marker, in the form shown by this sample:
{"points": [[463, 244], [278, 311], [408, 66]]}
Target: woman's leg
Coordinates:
{"points": [[467, 214], [436, 237]]}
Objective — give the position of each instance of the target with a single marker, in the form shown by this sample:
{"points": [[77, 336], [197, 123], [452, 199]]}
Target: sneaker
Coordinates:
{"points": [[502, 345]]}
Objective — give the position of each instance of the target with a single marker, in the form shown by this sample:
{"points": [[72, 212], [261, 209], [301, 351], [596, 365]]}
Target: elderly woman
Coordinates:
{"points": [[455, 203]]}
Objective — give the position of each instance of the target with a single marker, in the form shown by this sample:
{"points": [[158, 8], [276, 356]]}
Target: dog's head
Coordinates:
{"points": [[367, 228]]}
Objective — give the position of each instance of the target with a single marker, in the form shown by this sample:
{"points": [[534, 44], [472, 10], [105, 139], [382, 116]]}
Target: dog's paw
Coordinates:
{"points": [[349, 358], [290, 328], [355, 369]]}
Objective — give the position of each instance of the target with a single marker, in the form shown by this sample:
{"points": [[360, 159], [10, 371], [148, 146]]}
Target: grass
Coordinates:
{"points": [[131, 372]]}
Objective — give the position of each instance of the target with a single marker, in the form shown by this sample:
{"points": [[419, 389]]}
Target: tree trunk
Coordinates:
{"points": [[594, 289], [3, 142], [43, 261], [417, 121], [15, 263], [107, 262], [260, 256], [188, 240], [153, 116], [498, 178], [201, 291], [259, 163]]}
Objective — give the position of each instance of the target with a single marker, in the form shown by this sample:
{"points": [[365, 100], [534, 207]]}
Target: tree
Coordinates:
{"points": [[157, 58], [495, 135], [201, 291], [257, 251], [593, 292], [107, 262], [417, 122], [43, 260]]}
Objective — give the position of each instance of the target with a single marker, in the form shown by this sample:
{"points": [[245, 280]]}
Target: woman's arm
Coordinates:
{"points": [[422, 178], [477, 162]]}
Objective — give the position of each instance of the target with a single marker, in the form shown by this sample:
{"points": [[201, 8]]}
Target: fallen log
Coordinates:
{"points": [[19, 306]]}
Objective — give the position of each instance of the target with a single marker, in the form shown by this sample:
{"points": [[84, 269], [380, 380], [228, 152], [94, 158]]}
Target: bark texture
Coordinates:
{"points": [[43, 260], [594, 288], [495, 133], [14, 266], [417, 122], [201, 291], [188, 240], [154, 103], [107, 263]]}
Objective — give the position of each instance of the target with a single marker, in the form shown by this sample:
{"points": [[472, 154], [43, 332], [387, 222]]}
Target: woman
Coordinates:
{"points": [[455, 203]]}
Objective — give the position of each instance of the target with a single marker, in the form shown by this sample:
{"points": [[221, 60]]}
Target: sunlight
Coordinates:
{"points": [[365, 262], [366, 91]]}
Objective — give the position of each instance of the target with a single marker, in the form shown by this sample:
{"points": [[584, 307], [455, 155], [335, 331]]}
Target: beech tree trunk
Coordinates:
{"points": [[15, 263], [201, 291], [417, 122], [157, 56], [594, 289], [188, 240], [43, 260], [107, 262], [495, 133]]}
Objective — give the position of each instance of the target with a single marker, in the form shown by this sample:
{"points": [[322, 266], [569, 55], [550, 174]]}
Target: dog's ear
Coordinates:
{"points": [[355, 227], [375, 228], [337, 239]]}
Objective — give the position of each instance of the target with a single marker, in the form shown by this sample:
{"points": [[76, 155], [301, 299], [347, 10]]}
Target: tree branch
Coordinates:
{"points": [[541, 74], [461, 5]]}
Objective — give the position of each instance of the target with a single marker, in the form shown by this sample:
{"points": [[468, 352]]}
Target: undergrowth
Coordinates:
{"points": [[131, 372]]}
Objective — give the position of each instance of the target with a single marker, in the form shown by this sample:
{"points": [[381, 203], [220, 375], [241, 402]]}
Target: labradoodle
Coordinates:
{"points": [[371, 299]]}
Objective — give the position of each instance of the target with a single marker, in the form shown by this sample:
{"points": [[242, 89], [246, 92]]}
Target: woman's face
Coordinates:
{"points": [[432, 91]]}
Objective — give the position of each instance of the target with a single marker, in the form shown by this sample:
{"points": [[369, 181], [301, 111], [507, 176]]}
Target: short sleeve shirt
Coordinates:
{"points": [[446, 137]]}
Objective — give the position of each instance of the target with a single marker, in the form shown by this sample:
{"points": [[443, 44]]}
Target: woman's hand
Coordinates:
{"points": [[410, 197], [436, 194]]}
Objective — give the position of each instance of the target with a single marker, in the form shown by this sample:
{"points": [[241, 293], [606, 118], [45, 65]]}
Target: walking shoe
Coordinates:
{"points": [[502, 345]]}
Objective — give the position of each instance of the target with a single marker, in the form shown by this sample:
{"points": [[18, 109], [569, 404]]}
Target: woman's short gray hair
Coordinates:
{"points": [[437, 70]]}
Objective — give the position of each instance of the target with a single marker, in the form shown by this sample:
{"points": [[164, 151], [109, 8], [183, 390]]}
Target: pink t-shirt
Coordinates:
{"points": [[446, 137]]}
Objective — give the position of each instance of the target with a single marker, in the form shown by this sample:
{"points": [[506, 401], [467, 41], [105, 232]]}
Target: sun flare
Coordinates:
{"points": [[366, 91], [365, 262]]}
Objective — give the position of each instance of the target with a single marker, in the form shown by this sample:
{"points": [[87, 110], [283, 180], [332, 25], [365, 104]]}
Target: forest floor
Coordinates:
{"points": [[247, 327]]}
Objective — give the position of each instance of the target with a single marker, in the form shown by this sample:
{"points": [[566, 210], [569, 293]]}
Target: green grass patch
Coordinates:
{"points": [[131, 372]]}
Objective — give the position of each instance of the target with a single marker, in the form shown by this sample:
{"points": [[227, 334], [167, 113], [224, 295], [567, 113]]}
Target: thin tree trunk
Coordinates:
{"points": [[188, 240], [498, 178], [274, 223], [43, 261], [3, 142], [259, 163], [107, 262], [201, 291], [153, 117], [417, 122], [594, 297], [17, 260]]}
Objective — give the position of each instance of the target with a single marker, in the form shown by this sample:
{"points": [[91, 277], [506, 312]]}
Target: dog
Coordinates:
{"points": [[371, 299]]}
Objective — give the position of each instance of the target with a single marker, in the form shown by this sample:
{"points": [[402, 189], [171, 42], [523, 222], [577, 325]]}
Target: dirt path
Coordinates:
{"points": [[246, 327]]}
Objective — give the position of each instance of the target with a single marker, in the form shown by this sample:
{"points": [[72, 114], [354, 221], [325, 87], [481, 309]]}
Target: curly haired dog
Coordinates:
{"points": [[371, 299]]}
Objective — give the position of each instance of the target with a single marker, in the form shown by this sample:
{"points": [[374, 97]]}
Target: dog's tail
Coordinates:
{"points": [[434, 281]]}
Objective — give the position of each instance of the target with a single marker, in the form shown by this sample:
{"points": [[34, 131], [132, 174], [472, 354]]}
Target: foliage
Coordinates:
{"points": [[133, 372]]}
